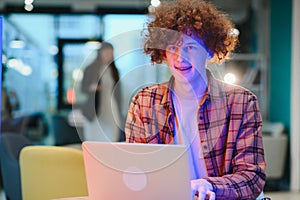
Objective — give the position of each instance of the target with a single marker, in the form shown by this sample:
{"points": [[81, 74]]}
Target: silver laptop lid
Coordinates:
{"points": [[136, 171]]}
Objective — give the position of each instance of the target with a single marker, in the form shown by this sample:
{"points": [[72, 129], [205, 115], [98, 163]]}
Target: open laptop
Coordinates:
{"points": [[136, 171]]}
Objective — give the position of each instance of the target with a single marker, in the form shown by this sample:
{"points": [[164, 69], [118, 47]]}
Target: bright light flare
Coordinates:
{"points": [[230, 78], [77, 75], [28, 7], [155, 3]]}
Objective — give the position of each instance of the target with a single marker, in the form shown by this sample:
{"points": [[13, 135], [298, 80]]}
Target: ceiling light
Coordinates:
{"points": [[93, 45], [17, 44], [28, 7], [53, 50], [28, 2], [4, 58], [155, 3], [19, 66]]}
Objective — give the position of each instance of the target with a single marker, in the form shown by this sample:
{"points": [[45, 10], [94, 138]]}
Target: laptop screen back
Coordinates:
{"points": [[136, 171]]}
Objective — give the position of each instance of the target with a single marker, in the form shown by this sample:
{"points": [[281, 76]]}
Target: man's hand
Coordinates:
{"points": [[203, 188]]}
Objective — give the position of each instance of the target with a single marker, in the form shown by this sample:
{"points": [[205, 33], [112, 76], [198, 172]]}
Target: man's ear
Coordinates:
{"points": [[165, 56]]}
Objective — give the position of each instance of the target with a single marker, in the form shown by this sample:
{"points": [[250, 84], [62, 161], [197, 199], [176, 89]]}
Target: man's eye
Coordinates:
{"points": [[172, 48], [190, 47]]}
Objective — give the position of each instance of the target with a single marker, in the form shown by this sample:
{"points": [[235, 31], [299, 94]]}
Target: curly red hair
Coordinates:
{"points": [[196, 17]]}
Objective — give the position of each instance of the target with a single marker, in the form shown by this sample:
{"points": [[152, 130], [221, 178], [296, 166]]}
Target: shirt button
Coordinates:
{"points": [[201, 117]]}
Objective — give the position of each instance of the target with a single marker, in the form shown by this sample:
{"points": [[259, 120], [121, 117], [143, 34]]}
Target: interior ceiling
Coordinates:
{"points": [[236, 8], [86, 5]]}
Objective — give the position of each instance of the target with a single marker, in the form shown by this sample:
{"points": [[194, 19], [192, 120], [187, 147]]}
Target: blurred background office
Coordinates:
{"points": [[48, 44]]}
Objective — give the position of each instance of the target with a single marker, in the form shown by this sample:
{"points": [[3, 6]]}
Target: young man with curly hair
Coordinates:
{"points": [[219, 123]]}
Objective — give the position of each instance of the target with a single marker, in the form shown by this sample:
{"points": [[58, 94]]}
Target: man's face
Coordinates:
{"points": [[186, 59]]}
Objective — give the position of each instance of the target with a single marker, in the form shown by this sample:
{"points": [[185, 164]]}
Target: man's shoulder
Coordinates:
{"points": [[232, 89], [155, 92], [157, 88], [220, 87]]}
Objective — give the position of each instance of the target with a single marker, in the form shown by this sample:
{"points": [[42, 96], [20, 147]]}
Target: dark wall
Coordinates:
{"points": [[280, 61]]}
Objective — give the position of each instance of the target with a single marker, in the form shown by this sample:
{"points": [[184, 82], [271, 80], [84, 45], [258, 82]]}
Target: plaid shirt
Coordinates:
{"points": [[229, 125]]}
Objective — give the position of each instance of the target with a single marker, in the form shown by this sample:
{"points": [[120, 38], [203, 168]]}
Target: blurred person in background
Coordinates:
{"points": [[10, 100], [102, 108], [10, 104]]}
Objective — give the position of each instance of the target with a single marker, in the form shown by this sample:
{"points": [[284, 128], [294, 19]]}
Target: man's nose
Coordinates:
{"points": [[181, 53]]}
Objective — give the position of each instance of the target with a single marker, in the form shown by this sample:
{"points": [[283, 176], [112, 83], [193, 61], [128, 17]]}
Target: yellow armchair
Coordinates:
{"points": [[51, 172]]}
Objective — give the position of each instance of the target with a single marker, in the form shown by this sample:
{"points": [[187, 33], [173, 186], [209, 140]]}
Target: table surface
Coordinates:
{"points": [[74, 198]]}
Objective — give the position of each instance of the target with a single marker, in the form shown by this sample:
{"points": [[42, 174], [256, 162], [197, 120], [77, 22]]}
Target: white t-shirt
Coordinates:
{"points": [[186, 132]]}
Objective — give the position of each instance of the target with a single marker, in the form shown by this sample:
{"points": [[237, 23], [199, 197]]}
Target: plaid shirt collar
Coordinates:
{"points": [[213, 91]]}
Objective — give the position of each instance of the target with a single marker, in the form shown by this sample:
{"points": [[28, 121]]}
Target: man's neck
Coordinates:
{"points": [[194, 89]]}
